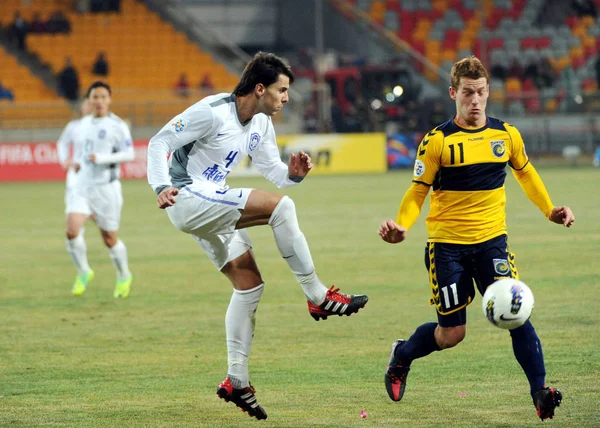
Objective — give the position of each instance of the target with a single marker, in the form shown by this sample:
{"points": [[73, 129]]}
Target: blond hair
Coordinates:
{"points": [[469, 67]]}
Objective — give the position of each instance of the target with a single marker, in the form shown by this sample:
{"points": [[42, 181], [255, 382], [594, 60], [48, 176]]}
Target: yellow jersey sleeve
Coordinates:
{"points": [[518, 158], [411, 204], [534, 188], [429, 153]]}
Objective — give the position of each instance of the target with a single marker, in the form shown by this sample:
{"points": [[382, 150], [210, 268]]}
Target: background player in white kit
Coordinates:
{"points": [[103, 142], [65, 146], [207, 142]]}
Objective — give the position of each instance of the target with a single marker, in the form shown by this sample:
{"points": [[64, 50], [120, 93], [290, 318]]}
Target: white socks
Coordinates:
{"points": [[118, 255], [294, 249], [78, 252], [239, 327]]}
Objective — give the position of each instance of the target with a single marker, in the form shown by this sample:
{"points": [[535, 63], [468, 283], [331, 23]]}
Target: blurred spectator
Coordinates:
{"points": [[351, 89], [182, 87], [82, 6], [68, 81], [532, 71], [311, 121], [100, 67], [105, 6], [37, 25], [585, 8], [516, 70], [336, 116], [499, 71], [305, 58], [411, 119], [598, 70], [546, 75], [437, 115], [206, 83], [18, 30], [351, 121], [58, 23], [6, 94], [363, 110]]}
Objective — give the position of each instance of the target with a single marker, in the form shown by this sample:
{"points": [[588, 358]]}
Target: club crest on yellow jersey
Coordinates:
{"points": [[501, 266], [498, 148]]}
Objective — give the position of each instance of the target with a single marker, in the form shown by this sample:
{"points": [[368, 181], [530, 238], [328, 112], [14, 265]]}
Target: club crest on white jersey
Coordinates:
{"points": [[254, 141]]}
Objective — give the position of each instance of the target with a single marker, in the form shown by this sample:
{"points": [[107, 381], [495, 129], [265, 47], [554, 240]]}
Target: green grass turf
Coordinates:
{"points": [[156, 358]]}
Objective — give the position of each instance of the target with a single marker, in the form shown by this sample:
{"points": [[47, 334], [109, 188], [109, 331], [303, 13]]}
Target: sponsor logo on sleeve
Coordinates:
{"points": [[419, 168], [178, 125]]}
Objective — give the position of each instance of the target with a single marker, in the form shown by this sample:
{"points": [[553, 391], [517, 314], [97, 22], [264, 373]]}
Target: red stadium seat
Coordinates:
{"points": [[572, 21], [495, 43], [544, 42], [528, 43]]}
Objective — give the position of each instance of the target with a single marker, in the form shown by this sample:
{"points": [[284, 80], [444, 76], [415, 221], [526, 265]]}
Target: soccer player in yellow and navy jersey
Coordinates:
{"points": [[463, 161]]}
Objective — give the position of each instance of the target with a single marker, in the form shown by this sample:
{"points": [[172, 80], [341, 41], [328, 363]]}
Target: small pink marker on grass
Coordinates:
{"points": [[363, 414]]}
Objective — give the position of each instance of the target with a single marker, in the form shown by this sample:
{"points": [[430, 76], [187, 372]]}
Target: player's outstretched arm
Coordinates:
{"points": [[166, 198], [391, 232], [562, 215]]}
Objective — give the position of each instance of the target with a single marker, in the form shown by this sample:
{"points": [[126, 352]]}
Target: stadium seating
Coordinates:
{"points": [[145, 55], [499, 32], [143, 52], [25, 86]]}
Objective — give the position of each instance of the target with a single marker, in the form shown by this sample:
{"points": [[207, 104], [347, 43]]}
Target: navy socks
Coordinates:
{"points": [[528, 351], [420, 344]]}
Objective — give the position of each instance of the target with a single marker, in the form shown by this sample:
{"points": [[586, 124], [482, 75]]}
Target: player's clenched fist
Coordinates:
{"points": [[391, 232], [167, 197]]}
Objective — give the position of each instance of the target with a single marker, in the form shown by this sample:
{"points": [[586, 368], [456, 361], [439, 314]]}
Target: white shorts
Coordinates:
{"points": [[210, 216], [104, 201]]}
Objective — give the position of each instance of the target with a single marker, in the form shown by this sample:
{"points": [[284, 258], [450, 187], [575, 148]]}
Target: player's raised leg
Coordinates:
{"points": [[78, 251], [280, 213]]}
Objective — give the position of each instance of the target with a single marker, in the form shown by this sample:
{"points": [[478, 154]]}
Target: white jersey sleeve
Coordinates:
{"points": [[268, 162], [124, 148], [66, 141], [193, 124]]}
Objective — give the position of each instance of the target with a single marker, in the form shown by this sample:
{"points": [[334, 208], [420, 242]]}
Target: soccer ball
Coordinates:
{"points": [[508, 303]]}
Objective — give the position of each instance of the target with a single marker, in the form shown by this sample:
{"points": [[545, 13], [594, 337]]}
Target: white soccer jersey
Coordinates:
{"points": [[66, 143], [208, 141], [109, 139]]}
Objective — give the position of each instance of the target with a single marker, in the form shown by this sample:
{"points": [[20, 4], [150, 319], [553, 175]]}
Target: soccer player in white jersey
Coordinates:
{"points": [[104, 141], [206, 142], [65, 146]]}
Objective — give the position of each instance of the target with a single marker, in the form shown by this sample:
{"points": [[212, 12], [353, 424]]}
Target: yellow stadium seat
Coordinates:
{"points": [[551, 105], [440, 5], [448, 55], [513, 85], [498, 95]]}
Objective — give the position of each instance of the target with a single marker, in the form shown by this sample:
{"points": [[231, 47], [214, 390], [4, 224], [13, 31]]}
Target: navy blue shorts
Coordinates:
{"points": [[455, 270]]}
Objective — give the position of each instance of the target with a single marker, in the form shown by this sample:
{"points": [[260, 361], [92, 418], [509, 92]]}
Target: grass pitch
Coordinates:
{"points": [[156, 358]]}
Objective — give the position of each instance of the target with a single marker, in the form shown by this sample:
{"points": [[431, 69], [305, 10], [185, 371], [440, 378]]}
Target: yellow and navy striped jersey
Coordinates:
{"points": [[466, 170]]}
